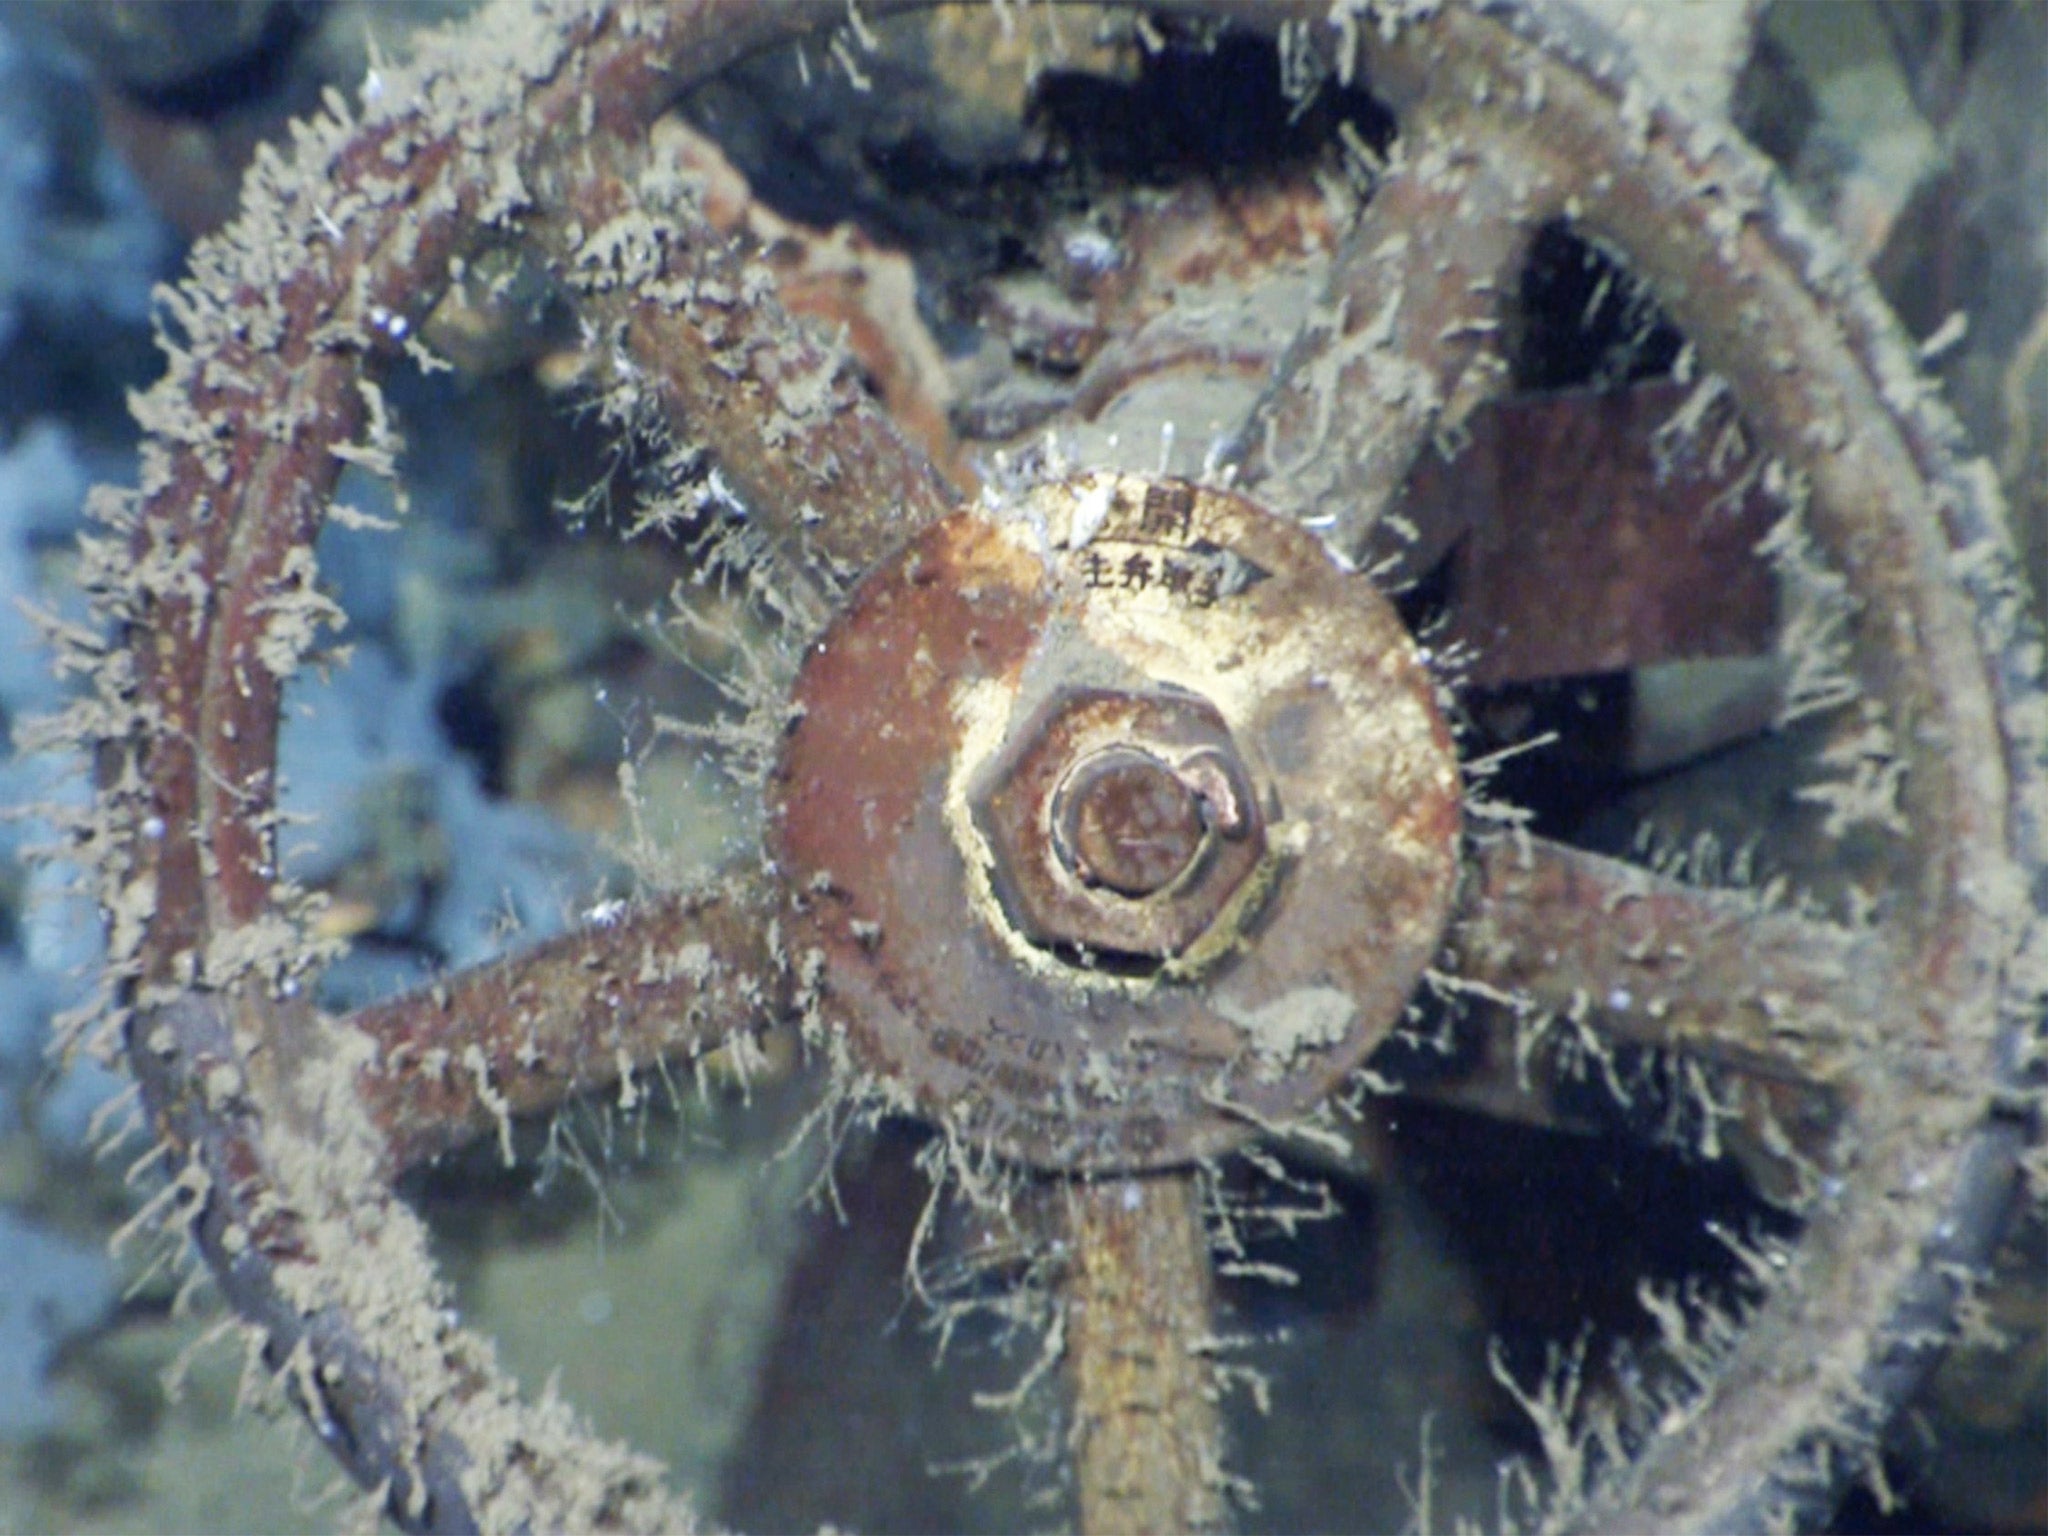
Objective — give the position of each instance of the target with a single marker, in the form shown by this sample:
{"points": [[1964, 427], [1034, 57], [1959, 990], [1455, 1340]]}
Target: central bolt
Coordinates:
{"points": [[1124, 820], [1119, 823]]}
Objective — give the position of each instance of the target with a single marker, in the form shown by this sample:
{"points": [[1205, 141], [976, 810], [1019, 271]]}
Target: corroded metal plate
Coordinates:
{"points": [[949, 656]]}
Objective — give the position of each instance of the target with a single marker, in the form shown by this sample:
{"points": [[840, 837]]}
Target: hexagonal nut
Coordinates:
{"points": [[1063, 807]]}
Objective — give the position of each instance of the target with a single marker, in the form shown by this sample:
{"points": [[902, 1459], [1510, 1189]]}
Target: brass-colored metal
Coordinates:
{"points": [[1064, 808]]}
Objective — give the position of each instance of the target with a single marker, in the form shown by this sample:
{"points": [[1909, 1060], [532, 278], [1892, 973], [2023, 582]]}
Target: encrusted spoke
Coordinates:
{"points": [[1643, 958], [806, 454], [1406, 347], [673, 977], [1643, 504], [1507, 1067], [1147, 1433]]}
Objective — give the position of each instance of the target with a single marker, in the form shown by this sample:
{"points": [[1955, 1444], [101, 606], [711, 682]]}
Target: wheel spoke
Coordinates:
{"points": [[812, 459], [674, 977], [1642, 503], [1407, 346], [1776, 1130], [1649, 960], [1138, 1303]]}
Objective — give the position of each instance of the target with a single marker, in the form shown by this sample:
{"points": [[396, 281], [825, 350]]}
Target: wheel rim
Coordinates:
{"points": [[287, 1164]]}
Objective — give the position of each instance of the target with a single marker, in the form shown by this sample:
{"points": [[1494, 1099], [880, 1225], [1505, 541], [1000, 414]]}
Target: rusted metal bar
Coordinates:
{"points": [[1651, 960], [670, 978], [1148, 1436], [809, 454], [1509, 1068], [1408, 342], [247, 421]]}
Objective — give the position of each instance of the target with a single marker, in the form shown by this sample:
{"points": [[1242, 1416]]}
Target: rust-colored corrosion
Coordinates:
{"points": [[1647, 514], [1654, 960], [974, 624], [1124, 821], [667, 979], [1410, 338], [1147, 1427]]}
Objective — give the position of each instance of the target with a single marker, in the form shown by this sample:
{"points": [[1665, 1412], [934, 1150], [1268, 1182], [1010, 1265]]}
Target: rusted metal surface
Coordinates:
{"points": [[265, 1259], [811, 458], [1569, 959], [1817, 372], [1123, 820], [664, 980], [1407, 344], [1109, 583], [1142, 292], [1122, 823], [1093, 600], [1650, 959], [1137, 1304], [1206, 234], [844, 280], [304, 298], [1645, 504]]}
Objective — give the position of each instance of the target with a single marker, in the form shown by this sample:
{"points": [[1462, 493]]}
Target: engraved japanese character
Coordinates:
{"points": [[1169, 513]]}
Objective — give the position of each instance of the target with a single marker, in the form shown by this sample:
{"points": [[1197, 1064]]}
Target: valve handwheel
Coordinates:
{"points": [[1119, 820]]}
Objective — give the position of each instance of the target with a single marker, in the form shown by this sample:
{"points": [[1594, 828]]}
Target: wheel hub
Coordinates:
{"points": [[1058, 762]]}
